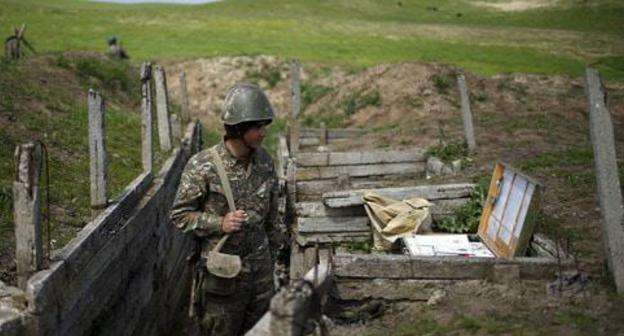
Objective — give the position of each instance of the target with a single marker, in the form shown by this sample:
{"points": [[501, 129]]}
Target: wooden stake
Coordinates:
{"points": [[607, 180], [186, 113], [97, 151], [466, 113], [27, 211]]}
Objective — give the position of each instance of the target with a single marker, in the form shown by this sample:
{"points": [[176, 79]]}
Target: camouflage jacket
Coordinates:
{"points": [[200, 202]]}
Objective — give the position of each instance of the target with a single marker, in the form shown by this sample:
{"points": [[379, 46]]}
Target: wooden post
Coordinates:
{"points": [[162, 109], [186, 114], [176, 129], [296, 101], [27, 211], [607, 180], [323, 134], [466, 113], [146, 117], [97, 151]]}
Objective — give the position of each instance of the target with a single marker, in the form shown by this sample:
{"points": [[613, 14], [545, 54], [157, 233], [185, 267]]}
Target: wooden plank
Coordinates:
{"points": [[318, 209], [333, 237], [369, 266], [319, 187], [607, 180], [295, 73], [332, 133], [357, 158], [97, 151], [312, 173], [332, 224], [341, 199]]}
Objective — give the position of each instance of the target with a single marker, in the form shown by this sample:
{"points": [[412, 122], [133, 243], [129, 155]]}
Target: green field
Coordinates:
{"points": [[561, 39]]}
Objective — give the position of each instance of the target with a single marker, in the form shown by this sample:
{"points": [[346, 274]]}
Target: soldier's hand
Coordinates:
{"points": [[233, 221]]}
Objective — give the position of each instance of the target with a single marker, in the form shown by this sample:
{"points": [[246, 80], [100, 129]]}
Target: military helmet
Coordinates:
{"points": [[111, 40], [246, 102]]}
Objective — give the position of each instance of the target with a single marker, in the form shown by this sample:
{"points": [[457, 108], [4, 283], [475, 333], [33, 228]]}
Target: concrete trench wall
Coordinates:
{"points": [[125, 273]]}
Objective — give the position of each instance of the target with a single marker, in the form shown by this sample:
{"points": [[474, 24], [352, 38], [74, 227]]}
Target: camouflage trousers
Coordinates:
{"points": [[233, 306]]}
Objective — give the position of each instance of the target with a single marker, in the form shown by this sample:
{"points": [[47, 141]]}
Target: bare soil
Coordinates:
{"points": [[538, 123]]}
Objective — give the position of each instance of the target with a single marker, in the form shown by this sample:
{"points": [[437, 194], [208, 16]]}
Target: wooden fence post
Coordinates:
{"points": [[27, 211], [162, 109], [97, 152], [296, 101], [146, 117], [186, 113], [176, 129], [607, 180], [466, 113]]}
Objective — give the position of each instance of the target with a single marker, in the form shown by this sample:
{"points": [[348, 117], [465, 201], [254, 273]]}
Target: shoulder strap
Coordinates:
{"points": [[225, 182]]}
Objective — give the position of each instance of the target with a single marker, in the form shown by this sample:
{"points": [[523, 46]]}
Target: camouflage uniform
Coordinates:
{"points": [[232, 306]]}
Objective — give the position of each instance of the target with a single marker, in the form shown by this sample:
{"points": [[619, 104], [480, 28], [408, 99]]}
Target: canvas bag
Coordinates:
{"points": [[392, 219], [221, 264]]}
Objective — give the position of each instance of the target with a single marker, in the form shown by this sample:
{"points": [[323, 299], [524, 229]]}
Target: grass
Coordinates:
{"points": [[360, 33]]}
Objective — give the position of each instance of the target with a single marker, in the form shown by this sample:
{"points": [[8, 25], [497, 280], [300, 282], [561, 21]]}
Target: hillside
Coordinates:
{"points": [[45, 98]]}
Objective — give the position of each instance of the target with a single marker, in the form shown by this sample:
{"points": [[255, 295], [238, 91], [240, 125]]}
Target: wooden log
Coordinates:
{"points": [[147, 148], [184, 101], [313, 173], [332, 224], [162, 109], [358, 158], [466, 113], [27, 211], [368, 266], [97, 152], [282, 157], [607, 180], [293, 137], [339, 199]]}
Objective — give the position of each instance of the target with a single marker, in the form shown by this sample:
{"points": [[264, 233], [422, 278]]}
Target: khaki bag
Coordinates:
{"points": [[222, 264]]}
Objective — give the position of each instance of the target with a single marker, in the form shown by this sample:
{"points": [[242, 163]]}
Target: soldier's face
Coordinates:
{"points": [[254, 136]]}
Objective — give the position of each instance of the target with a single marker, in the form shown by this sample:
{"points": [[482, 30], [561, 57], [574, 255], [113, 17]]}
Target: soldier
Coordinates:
{"points": [[233, 306], [115, 49]]}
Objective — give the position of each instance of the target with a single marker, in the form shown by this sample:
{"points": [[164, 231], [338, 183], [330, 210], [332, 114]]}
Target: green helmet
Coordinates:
{"points": [[246, 102]]}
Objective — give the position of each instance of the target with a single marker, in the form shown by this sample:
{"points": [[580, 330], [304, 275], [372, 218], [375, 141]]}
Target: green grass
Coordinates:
{"points": [[362, 33]]}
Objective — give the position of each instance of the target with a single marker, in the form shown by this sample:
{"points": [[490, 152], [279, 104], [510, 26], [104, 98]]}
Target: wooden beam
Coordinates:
{"points": [[332, 224], [318, 209], [27, 211], [305, 239], [332, 133], [358, 158], [339, 199], [607, 180], [328, 172]]}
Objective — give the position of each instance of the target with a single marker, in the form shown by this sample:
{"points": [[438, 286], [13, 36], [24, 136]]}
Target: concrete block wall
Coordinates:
{"points": [[125, 273]]}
